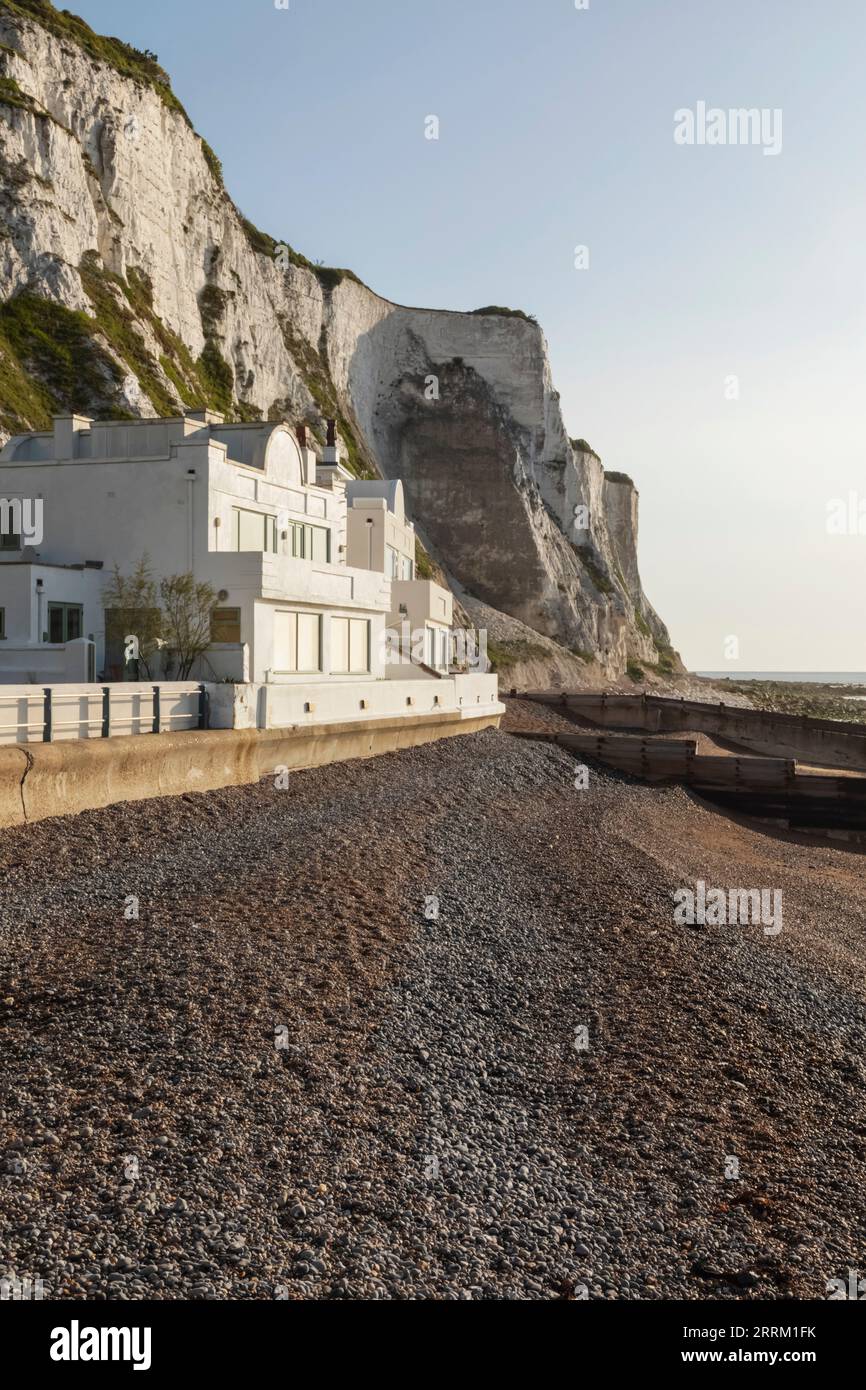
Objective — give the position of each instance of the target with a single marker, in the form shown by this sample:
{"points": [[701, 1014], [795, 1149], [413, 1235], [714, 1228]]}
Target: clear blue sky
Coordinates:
{"points": [[705, 262]]}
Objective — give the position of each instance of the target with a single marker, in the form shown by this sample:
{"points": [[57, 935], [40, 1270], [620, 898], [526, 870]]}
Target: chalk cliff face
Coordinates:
{"points": [[131, 284]]}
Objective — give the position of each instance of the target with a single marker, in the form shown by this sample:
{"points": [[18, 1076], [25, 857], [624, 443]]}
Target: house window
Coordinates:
{"points": [[406, 567], [225, 625], [253, 530], [391, 562], [350, 645], [64, 622], [9, 540], [2, 623], [297, 642], [311, 542]]}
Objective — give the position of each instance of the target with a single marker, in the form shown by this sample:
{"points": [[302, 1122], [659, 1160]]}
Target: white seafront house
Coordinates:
{"points": [[314, 570]]}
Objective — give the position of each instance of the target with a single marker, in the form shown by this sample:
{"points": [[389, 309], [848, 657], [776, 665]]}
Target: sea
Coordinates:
{"points": [[818, 677]]}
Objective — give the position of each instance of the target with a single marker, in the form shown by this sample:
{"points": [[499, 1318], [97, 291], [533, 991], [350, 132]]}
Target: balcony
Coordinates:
{"points": [[283, 578], [423, 602]]}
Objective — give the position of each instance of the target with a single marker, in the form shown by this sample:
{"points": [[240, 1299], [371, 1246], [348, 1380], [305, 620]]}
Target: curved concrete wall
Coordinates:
{"points": [[58, 779]]}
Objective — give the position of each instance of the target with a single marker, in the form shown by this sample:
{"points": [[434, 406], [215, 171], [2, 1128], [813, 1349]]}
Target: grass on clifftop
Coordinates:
{"points": [[505, 312], [136, 64], [264, 244], [581, 446], [139, 64]]}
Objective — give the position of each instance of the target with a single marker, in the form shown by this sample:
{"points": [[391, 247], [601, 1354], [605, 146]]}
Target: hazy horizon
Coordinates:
{"points": [[706, 262]]}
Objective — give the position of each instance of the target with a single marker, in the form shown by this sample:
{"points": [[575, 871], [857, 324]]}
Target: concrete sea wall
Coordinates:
{"points": [[58, 779]]}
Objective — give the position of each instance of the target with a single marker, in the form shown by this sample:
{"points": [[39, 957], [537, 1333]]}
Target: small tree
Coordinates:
{"points": [[187, 612], [132, 611]]}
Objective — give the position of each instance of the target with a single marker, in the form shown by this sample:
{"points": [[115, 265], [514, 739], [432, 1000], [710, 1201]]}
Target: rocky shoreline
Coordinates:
{"points": [[820, 700], [423, 1027]]}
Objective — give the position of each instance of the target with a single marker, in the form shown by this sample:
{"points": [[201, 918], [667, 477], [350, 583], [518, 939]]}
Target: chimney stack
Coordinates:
{"points": [[331, 452]]}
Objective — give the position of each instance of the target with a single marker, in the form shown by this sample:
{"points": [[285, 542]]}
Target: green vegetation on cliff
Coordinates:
{"points": [[53, 359], [70, 365], [581, 446], [138, 64], [318, 381], [593, 569], [504, 312], [50, 363], [504, 655], [283, 254]]}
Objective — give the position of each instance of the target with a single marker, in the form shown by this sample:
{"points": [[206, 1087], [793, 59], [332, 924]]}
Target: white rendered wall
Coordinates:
{"points": [[282, 706]]}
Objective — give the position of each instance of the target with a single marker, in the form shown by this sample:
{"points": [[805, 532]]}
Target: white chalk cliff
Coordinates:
{"points": [[131, 284]]}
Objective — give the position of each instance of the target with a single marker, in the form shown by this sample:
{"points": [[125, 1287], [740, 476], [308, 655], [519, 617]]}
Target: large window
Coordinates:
{"points": [[64, 622], [297, 642], [350, 645], [310, 542], [406, 567], [253, 530]]}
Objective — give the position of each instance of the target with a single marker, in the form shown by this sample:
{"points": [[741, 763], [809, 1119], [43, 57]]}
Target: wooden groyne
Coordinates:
{"points": [[825, 742], [760, 785]]}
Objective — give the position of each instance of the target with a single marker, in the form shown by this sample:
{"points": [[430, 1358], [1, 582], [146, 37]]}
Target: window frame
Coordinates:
{"points": [[65, 609], [269, 531], [297, 670], [302, 541], [352, 671], [230, 641]]}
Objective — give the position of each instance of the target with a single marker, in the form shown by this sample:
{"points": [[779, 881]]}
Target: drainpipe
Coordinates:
{"points": [[190, 484]]}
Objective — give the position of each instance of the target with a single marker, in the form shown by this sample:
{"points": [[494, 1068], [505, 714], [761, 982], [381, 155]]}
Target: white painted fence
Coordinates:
{"points": [[37, 714]]}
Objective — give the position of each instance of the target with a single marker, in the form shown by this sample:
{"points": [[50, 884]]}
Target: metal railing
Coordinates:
{"points": [[124, 708]]}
